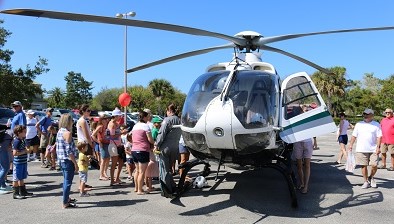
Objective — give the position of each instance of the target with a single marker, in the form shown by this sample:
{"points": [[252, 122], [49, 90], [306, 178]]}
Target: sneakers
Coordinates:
{"points": [[6, 189], [84, 194], [365, 185], [373, 182]]}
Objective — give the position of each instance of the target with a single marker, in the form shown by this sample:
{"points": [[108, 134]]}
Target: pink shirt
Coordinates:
{"points": [[387, 125], [140, 140]]}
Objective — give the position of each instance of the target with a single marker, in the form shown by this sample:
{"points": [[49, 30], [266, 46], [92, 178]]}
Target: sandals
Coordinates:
{"points": [[104, 178], [381, 167], [390, 168], [304, 191]]}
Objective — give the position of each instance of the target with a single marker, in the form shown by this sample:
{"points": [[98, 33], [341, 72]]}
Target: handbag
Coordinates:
{"points": [[350, 162], [94, 163]]}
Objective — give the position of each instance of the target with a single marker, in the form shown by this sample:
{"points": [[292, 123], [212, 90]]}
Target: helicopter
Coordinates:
{"points": [[238, 112]]}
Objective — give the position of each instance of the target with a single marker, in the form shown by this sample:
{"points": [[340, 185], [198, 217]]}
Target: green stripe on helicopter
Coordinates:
{"points": [[313, 121]]}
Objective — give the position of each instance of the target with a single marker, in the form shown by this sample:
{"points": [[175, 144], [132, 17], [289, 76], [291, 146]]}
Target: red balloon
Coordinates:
{"points": [[124, 99]]}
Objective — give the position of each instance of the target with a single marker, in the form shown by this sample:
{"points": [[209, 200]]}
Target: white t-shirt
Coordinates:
{"points": [[31, 130], [345, 126], [366, 134]]}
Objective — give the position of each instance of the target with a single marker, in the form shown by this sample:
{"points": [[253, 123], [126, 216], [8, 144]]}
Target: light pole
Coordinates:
{"points": [[124, 16]]}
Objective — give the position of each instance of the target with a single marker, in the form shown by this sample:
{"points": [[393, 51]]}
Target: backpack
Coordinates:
{"points": [[2, 134]]}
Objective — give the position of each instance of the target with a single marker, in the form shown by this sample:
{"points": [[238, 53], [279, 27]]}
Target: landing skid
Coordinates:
{"points": [[282, 164]]}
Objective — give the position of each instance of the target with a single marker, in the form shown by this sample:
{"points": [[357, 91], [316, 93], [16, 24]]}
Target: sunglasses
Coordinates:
{"points": [[366, 114], [388, 112]]}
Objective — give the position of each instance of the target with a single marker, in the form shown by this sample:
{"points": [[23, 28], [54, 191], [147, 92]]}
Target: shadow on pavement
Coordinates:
{"points": [[265, 192], [114, 203]]}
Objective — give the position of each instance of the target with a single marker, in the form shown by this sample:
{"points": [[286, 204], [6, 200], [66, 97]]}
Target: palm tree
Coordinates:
{"points": [[331, 85], [160, 88], [56, 98]]}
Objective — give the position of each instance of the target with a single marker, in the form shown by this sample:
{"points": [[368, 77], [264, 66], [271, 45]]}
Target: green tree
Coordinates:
{"points": [[161, 88], [56, 98], [331, 86], [18, 84], [106, 99], [78, 90]]}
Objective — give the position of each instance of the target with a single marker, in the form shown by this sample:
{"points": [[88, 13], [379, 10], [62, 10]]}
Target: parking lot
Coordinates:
{"points": [[237, 197]]}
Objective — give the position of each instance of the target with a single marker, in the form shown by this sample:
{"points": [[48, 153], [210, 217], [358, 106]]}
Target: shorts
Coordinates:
{"points": [[365, 159], [140, 156], [83, 176], [104, 154], [44, 142], [302, 150], [384, 148], [96, 147], [112, 149], [19, 172], [33, 141], [343, 139], [183, 149], [129, 160]]}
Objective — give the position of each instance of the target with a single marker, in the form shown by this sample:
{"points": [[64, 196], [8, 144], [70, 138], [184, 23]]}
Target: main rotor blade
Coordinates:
{"points": [[180, 56], [118, 21], [297, 58], [265, 40]]}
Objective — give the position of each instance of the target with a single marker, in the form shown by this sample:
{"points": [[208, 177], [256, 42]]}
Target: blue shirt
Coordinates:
{"points": [[19, 119], [19, 145], [44, 123]]}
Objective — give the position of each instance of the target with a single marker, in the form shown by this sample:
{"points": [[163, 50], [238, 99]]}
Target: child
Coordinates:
{"points": [[83, 166], [50, 152], [153, 167], [93, 127], [130, 163], [20, 163]]}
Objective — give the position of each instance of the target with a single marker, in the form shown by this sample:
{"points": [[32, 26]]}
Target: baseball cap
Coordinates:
{"points": [[30, 112], [156, 120], [368, 111], [116, 112], [147, 111], [16, 103], [49, 109]]}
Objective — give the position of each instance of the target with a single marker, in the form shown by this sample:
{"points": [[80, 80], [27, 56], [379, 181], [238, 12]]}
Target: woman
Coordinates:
{"points": [[66, 151], [83, 130], [344, 125], [101, 136], [168, 143], [142, 140], [32, 140], [114, 131]]}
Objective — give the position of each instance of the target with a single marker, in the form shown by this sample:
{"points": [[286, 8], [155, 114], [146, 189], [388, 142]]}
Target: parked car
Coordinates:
{"points": [[5, 114]]}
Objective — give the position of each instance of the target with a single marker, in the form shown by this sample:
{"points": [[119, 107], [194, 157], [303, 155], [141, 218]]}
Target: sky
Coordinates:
{"points": [[97, 50]]}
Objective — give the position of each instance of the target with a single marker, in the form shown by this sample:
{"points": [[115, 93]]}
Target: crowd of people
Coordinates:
{"points": [[152, 147], [152, 144]]}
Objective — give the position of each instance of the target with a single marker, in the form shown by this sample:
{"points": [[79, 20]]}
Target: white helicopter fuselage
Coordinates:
{"points": [[235, 111]]}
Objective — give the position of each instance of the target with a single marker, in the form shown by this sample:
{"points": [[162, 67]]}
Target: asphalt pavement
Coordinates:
{"points": [[252, 196]]}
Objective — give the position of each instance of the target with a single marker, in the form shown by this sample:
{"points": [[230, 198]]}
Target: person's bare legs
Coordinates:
{"points": [[307, 173], [184, 158], [103, 168], [119, 170], [342, 153], [114, 163], [137, 170], [384, 157], [364, 171], [300, 173], [141, 177]]}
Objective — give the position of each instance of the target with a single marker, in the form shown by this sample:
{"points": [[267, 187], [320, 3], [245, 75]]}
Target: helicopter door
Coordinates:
{"points": [[303, 113]]}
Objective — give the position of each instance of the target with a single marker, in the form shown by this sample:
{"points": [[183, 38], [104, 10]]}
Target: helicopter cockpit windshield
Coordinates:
{"points": [[252, 93], [203, 90]]}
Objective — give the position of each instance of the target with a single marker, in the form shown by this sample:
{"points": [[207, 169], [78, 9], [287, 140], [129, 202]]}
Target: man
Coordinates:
{"points": [[20, 117], [368, 134], [42, 126], [387, 125]]}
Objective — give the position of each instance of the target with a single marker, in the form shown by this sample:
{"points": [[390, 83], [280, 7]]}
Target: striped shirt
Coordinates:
{"points": [[19, 145], [63, 148]]}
